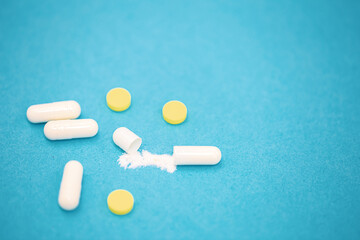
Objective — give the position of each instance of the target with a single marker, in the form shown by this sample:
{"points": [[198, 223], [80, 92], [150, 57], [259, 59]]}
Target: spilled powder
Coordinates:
{"points": [[145, 158]]}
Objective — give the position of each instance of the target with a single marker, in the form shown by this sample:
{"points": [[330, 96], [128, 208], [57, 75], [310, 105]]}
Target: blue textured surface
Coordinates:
{"points": [[274, 84]]}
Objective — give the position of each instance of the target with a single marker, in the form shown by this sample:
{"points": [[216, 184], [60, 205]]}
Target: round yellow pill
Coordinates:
{"points": [[120, 202], [174, 112], [118, 99]]}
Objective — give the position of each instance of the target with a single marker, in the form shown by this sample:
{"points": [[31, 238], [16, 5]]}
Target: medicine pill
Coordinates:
{"points": [[174, 112], [53, 111], [126, 140], [70, 188], [120, 202], [68, 129], [196, 155], [118, 99]]}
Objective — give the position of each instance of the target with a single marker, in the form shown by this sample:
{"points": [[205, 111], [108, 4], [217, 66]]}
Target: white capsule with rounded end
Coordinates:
{"points": [[126, 140], [69, 129], [196, 155], [70, 188], [53, 111]]}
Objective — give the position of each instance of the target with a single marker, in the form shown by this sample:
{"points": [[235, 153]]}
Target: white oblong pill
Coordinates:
{"points": [[196, 155], [53, 111], [70, 188], [68, 129], [126, 140]]}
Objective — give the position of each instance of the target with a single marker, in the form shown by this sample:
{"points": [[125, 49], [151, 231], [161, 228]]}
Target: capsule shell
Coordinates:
{"points": [[126, 140], [68, 129], [53, 111], [196, 155], [70, 188]]}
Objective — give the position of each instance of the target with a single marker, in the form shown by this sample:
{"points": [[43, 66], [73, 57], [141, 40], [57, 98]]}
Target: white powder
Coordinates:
{"points": [[144, 159]]}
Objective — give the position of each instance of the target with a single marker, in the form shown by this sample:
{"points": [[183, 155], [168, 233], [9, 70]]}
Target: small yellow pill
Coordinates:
{"points": [[174, 112], [120, 202], [118, 99]]}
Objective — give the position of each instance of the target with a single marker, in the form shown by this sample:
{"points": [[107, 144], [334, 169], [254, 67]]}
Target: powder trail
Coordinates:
{"points": [[145, 158]]}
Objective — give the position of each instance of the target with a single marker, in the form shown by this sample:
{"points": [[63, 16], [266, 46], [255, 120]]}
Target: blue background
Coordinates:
{"points": [[274, 84]]}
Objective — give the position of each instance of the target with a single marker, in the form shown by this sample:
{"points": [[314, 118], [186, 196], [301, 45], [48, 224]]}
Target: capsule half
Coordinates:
{"points": [[196, 155], [126, 140]]}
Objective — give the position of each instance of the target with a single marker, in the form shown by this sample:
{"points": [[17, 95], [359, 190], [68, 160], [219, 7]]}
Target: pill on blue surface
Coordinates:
{"points": [[174, 112], [126, 140], [70, 188], [118, 99], [69, 129], [120, 202], [196, 155], [53, 111]]}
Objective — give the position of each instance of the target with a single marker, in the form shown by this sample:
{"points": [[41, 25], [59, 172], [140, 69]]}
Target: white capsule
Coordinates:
{"points": [[126, 140], [70, 188], [196, 155], [53, 111], [68, 129]]}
